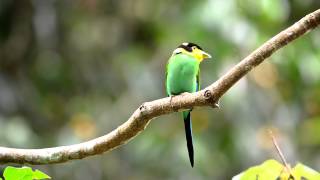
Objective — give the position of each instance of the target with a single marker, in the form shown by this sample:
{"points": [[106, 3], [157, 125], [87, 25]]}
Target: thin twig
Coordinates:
{"points": [[275, 143], [283, 159], [149, 110]]}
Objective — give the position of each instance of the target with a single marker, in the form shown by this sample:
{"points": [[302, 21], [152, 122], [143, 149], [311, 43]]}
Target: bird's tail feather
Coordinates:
{"points": [[188, 131]]}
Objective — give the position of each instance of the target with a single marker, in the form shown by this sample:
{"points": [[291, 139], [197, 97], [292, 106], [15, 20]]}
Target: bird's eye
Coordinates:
{"points": [[194, 48]]}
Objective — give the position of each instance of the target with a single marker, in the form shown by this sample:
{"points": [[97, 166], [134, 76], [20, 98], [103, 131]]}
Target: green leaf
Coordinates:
{"points": [[272, 170], [40, 175], [301, 171], [12, 173], [23, 173]]}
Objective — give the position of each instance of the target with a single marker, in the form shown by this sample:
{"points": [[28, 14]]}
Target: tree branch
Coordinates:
{"points": [[149, 110]]}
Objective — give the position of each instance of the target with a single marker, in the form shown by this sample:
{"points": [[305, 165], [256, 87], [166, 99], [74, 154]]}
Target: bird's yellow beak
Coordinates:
{"points": [[201, 55], [205, 55]]}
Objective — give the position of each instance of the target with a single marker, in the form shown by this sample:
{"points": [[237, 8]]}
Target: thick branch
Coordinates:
{"points": [[149, 110]]}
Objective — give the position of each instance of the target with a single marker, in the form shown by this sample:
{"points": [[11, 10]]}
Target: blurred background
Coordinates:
{"points": [[71, 71]]}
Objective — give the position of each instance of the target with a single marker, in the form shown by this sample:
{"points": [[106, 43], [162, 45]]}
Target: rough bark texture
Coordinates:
{"points": [[149, 110]]}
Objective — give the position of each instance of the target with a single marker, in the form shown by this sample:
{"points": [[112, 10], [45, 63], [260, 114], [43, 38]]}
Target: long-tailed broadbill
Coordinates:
{"points": [[182, 75]]}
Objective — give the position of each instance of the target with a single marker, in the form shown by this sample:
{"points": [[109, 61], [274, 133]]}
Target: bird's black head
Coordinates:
{"points": [[191, 49], [188, 46]]}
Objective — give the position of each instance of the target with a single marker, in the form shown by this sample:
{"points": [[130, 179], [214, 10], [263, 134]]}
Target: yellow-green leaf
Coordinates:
{"points": [[23, 173], [12, 173], [273, 170], [301, 171], [268, 170], [40, 175]]}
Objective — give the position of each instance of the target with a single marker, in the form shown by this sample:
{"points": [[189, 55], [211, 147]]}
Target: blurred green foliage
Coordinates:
{"points": [[73, 70]]}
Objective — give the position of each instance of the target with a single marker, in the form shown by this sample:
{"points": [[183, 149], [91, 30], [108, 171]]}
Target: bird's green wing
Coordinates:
{"points": [[165, 82], [198, 80]]}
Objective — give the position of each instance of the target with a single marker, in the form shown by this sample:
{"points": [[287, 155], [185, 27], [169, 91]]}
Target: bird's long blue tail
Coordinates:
{"points": [[188, 130]]}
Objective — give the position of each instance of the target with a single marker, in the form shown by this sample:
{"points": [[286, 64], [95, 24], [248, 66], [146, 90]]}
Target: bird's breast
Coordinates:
{"points": [[182, 76]]}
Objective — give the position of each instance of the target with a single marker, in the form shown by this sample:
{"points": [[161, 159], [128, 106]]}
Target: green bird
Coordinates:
{"points": [[182, 75]]}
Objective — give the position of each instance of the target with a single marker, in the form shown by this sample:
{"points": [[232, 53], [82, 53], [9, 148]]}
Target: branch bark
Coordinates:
{"points": [[149, 110]]}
